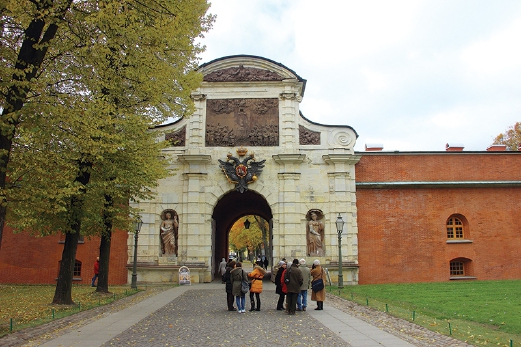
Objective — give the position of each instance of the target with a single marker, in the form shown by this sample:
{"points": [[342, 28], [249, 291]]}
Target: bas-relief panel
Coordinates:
{"points": [[242, 122]]}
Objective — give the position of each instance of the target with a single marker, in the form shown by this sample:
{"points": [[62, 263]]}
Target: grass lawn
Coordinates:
{"points": [[23, 306], [478, 312]]}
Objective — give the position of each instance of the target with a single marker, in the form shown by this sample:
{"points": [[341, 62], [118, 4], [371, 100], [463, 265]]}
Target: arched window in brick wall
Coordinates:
{"points": [[457, 227], [461, 268]]}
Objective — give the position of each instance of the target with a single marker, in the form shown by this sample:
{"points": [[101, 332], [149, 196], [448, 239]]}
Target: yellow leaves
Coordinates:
{"points": [[32, 302]]}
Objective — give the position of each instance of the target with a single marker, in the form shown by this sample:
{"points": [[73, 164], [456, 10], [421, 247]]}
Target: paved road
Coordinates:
{"points": [[196, 316]]}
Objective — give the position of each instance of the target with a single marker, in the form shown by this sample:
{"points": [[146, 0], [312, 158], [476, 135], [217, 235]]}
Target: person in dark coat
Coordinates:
{"points": [[278, 284], [265, 263], [228, 280], [302, 300], [294, 275]]}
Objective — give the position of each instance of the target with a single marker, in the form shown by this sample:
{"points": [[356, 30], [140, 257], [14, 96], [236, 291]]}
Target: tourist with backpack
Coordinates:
{"points": [[238, 277]]}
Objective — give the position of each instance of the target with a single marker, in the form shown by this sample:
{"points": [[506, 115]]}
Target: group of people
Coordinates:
{"points": [[292, 285]]}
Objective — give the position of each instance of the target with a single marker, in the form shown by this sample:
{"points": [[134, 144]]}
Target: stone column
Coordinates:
{"points": [[196, 125], [342, 190], [288, 111], [288, 234], [195, 244]]}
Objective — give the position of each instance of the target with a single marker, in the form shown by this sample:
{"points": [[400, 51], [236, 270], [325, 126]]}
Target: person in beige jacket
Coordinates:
{"points": [[318, 272]]}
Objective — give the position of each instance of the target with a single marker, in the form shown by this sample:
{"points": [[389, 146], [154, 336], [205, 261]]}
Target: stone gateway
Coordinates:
{"points": [[248, 150]]}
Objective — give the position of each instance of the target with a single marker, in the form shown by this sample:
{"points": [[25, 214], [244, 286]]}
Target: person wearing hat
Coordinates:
{"points": [[278, 290], [316, 273], [293, 281], [302, 299]]}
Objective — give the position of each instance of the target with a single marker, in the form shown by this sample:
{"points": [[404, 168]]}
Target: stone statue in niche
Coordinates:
{"points": [[169, 232], [315, 233]]}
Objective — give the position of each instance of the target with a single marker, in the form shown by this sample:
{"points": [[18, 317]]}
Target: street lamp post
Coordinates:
{"points": [[137, 228], [339, 227]]}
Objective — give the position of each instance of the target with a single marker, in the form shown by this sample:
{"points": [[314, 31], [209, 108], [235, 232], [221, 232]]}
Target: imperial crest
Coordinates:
{"points": [[241, 172]]}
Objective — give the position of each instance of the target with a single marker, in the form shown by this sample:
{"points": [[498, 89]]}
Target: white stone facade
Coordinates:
{"points": [[295, 179]]}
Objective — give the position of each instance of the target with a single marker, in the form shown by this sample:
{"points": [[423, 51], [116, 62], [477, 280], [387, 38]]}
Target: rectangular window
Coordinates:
{"points": [[456, 269], [450, 233], [77, 269]]}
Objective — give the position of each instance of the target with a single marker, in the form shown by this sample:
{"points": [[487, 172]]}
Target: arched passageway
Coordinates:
{"points": [[231, 207]]}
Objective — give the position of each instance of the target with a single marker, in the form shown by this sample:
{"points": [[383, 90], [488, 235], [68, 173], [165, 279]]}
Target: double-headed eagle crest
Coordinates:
{"points": [[241, 172]]}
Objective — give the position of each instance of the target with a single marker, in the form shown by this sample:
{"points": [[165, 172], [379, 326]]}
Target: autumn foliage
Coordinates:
{"points": [[511, 138], [251, 239]]}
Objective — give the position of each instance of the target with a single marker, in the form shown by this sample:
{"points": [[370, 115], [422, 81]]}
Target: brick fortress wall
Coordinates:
{"points": [[402, 231], [35, 260]]}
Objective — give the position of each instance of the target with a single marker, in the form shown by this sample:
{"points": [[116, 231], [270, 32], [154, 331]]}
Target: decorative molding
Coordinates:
{"points": [[292, 176], [341, 137], [198, 97], [289, 158], [341, 158], [308, 137], [290, 96], [241, 73], [194, 158]]}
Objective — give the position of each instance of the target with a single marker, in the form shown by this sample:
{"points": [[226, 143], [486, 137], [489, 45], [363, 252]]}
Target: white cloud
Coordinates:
{"points": [[498, 52], [411, 75]]}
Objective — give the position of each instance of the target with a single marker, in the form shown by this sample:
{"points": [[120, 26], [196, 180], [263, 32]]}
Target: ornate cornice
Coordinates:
{"points": [[194, 158], [341, 158], [198, 97], [289, 158], [290, 96]]}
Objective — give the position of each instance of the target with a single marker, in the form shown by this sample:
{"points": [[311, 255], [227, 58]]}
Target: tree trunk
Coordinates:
{"points": [[104, 248], [104, 256], [63, 292]]}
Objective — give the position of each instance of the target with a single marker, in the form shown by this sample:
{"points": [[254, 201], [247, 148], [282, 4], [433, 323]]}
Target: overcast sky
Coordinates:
{"points": [[411, 75]]}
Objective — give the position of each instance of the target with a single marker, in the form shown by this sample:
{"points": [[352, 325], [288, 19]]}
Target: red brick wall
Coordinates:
{"points": [[441, 166], [402, 233], [28, 259]]}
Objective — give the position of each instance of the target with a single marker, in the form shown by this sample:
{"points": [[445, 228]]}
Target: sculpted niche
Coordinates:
{"points": [[315, 233], [169, 232]]}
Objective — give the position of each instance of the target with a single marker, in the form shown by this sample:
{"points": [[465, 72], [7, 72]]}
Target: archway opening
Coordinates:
{"points": [[248, 240], [231, 209]]}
